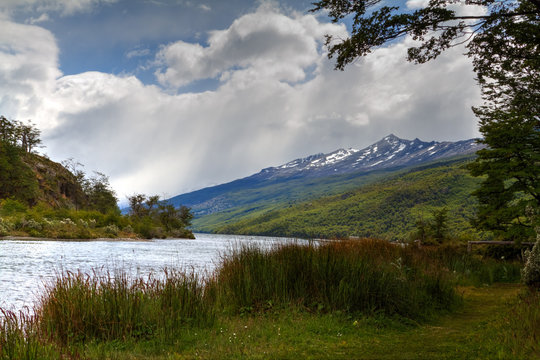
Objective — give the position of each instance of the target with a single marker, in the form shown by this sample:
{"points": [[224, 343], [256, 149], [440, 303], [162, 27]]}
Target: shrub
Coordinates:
{"points": [[111, 230], [11, 207], [531, 270], [5, 227]]}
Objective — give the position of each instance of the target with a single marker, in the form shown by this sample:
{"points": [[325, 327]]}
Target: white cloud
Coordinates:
{"points": [[205, 7], [137, 53], [417, 4], [266, 42], [279, 98], [42, 18], [28, 68]]}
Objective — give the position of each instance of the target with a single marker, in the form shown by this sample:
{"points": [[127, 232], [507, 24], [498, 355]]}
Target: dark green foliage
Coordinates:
{"points": [[16, 179], [100, 195], [388, 209], [512, 174], [504, 45], [435, 230], [508, 67], [437, 26], [155, 219]]}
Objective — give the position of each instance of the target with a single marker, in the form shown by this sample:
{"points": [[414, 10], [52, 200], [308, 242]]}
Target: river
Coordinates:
{"points": [[26, 265]]}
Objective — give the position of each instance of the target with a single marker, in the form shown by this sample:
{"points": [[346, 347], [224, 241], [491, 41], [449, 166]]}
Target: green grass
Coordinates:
{"points": [[351, 299], [477, 331]]}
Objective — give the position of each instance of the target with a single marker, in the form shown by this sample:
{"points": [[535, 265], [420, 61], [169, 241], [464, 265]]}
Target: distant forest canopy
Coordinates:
{"points": [[42, 198], [431, 203]]}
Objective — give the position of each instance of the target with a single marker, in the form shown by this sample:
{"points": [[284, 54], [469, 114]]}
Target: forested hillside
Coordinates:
{"points": [[45, 199], [392, 208]]}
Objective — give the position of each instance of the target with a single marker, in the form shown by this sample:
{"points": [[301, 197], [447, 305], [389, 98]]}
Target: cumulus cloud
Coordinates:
{"points": [[266, 41], [28, 68], [278, 98]]}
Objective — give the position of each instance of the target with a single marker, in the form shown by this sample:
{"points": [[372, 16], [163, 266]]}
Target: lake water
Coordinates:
{"points": [[25, 266]]}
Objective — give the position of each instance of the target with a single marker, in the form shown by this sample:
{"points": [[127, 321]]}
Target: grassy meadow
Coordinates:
{"points": [[362, 299]]}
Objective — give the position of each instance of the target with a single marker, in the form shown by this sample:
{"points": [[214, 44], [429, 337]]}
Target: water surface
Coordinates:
{"points": [[26, 265]]}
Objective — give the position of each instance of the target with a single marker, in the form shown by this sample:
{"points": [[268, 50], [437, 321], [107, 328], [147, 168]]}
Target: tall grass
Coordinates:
{"points": [[80, 308], [366, 276], [471, 269], [20, 338], [349, 276], [519, 329]]}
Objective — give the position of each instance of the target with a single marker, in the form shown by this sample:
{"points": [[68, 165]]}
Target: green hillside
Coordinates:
{"points": [[250, 202], [387, 208]]}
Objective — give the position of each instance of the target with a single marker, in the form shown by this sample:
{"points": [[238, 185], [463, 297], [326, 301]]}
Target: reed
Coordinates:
{"points": [[367, 276], [79, 308], [350, 276], [20, 338]]}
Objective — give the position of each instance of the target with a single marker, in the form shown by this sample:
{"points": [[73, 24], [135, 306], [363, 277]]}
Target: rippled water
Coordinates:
{"points": [[26, 265]]}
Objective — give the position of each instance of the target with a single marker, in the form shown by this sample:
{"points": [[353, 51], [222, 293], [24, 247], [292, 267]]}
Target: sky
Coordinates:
{"points": [[170, 96]]}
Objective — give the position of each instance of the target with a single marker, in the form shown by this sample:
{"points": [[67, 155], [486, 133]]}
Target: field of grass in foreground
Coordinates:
{"points": [[492, 324], [352, 299]]}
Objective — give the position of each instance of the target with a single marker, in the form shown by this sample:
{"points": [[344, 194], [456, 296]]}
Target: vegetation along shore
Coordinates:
{"points": [[363, 299]]}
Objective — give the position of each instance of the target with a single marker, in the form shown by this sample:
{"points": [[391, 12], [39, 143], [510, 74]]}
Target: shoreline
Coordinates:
{"points": [[30, 238]]}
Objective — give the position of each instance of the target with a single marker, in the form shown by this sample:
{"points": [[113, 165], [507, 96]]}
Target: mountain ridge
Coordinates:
{"points": [[390, 151], [388, 154]]}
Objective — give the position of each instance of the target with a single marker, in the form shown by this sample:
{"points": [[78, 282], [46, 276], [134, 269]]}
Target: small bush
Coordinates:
{"points": [[10, 207], [5, 227], [531, 270], [111, 230]]}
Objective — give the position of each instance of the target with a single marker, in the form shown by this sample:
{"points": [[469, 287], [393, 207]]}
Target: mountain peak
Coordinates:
{"points": [[391, 137], [389, 152]]}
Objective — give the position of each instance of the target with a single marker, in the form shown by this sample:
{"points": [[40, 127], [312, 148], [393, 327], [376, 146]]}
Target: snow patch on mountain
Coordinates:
{"points": [[389, 152]]}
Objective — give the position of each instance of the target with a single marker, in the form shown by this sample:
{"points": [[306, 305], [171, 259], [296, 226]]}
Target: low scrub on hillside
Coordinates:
{"points": [[390, 209], [43, 221]]}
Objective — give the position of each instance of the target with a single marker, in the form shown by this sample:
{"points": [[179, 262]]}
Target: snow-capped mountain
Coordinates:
{"points": [[390, 152]]}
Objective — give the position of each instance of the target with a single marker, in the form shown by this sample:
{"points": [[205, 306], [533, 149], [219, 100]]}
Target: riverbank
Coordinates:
{"points": [[30, 238], [361, 299]]}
